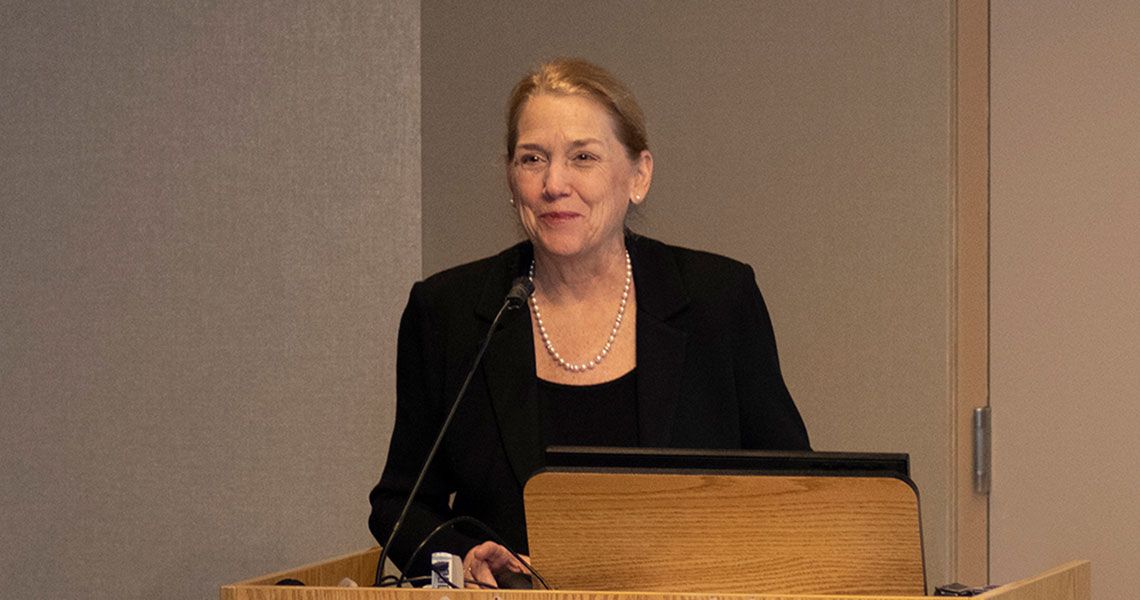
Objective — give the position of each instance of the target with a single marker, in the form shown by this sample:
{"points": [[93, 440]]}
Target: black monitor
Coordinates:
{"points": [[757, 462]]}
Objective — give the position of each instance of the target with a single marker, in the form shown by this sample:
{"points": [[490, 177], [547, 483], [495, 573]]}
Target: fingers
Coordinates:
{"points": [[500, 559], [476, 568], [486, 560], [482, 574]]}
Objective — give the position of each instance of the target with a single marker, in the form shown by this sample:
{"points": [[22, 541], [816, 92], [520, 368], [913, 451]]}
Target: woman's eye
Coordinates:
{"points": [[583, 156], [530, 159]]}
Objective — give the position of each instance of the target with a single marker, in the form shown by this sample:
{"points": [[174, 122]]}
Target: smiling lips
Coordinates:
{"points": [[558, 216]]}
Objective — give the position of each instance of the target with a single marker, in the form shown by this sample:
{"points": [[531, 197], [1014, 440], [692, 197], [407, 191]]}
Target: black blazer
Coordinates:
{"points": [[707, 377]]}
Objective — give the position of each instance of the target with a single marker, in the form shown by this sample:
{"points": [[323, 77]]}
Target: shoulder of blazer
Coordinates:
{"points": [[669, 278], [476, 287]]}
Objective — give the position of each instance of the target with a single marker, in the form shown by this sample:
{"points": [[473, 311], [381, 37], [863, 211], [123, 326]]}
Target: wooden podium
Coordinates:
{"points": [[1067, 582], [726, 533], [702, 536]]}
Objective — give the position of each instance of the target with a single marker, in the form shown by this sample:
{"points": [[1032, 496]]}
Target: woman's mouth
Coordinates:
{"points": [[558, 216]]}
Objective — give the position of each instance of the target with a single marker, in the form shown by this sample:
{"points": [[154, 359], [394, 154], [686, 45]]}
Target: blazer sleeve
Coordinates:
{"points": [[769, 418], [420, 410]]}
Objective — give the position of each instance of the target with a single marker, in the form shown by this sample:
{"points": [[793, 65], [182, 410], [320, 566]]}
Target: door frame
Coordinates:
{"points": [[969, 356]]}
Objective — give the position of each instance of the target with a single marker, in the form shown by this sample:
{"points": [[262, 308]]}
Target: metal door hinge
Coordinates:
{"points": [[982, 450]]}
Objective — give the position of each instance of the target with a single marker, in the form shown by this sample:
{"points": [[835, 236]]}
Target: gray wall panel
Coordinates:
{"points": [[209, 219]]}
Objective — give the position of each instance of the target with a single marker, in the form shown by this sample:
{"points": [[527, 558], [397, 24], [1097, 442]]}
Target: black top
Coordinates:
{"points": [[602, 414]]}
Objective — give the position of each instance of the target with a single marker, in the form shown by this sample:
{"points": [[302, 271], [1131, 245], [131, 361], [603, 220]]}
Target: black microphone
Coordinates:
{"points": [[521, 289]]}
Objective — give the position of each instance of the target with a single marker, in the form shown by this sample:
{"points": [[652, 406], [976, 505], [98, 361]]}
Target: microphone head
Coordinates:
{"points": [[521, 289]]}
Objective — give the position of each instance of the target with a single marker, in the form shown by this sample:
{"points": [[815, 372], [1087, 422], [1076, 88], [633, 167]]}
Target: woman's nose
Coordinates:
{"points": [[555, 185]]}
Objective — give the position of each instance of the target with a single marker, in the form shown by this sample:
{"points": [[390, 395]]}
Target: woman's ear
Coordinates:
{"points": [[643, 176]]}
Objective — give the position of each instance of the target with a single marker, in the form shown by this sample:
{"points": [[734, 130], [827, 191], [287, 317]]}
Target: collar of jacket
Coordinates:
{"points": [[509, 365]]}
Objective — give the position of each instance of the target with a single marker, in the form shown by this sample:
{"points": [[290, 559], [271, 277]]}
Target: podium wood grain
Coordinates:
{"points": [[1067, 582], [726, 533], [1071, 581], [357, 566]]}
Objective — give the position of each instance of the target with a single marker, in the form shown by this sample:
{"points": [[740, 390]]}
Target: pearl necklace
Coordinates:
{"points": [[597, 360]]}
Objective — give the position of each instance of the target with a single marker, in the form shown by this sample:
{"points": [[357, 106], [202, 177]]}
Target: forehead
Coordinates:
{"points": [[571, 116]]}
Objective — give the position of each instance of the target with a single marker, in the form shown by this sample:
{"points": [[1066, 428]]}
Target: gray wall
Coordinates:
{"points": [[810, 139], [209, 220]]}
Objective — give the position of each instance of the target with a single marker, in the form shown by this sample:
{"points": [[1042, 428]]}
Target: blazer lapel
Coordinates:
{"points": [[508, 367], [660, 345]]}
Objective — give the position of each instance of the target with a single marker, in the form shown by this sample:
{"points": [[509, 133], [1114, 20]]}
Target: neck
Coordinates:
{"points": [[573, 279]]}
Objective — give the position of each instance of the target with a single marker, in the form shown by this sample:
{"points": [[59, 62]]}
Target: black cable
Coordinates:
{"points": [[390, 580], [441, 572], [494, 537]]}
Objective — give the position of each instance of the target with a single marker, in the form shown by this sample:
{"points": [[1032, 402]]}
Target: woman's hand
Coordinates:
{"points": [[487, 561]]}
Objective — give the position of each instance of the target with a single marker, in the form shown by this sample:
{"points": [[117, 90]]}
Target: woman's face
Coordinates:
{"points": [[571, 178]]}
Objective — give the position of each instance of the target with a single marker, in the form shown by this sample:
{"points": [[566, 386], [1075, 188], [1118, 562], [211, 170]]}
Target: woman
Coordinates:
{"points": [[628, 341]]}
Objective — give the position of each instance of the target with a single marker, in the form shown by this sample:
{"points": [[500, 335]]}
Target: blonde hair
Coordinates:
{"points": [[577, 77]]}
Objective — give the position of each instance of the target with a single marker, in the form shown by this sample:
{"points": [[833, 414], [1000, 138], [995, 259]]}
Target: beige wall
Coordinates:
{"points": [[810, 139], [1065, 204], [209, 220]]}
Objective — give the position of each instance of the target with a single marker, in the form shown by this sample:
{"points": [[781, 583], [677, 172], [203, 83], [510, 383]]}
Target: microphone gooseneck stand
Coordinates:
{"points": [[521, 289]]}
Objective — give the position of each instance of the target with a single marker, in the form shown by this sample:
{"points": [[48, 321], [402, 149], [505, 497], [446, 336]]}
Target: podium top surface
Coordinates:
{"points": [[1070, 581]]}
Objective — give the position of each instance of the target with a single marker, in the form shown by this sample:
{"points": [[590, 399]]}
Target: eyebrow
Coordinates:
{"points": [[586, 142]]}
